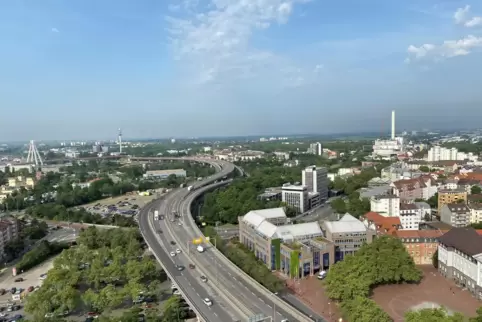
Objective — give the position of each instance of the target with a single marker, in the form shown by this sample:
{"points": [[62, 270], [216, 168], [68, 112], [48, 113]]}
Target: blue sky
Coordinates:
{"points": [[73, 69]]}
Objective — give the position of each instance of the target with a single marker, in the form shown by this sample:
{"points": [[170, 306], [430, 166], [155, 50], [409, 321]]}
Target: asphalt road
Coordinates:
{"points": [[188, 280], [226, 276]]}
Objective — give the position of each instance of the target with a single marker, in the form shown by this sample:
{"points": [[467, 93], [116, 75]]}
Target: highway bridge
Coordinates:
{"points": [[236, 296]]}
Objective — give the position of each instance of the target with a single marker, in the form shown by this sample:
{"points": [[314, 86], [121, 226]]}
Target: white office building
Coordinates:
{"points": [[316, 148], [316, 180], [385, 205], [295, 196]]}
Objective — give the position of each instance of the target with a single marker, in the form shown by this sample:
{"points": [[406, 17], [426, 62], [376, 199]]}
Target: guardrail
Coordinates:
{"points": [[230, 297], [279, 302], [171, 277]]}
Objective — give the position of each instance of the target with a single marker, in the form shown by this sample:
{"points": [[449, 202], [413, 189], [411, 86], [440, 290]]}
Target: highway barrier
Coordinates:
{"points": [[279, 302]]}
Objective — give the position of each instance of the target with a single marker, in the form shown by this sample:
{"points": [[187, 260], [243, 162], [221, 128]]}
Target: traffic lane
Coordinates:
{"points": [[183, 281], [186, 259], [186, 285], [223, 277], [188, 281]]}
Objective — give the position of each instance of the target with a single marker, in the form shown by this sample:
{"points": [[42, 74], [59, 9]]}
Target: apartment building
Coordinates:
{"points": [[455, 214], [316, 148], [448, 196], [410, 216], [420, 244], [438, 153], [423, 187], [475, 212], [348, 235], [386, 205], [296, 196], [296, 250], [460, 258], [316, 180], [9, 229]]}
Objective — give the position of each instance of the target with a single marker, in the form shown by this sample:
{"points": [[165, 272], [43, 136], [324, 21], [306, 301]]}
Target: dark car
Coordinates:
{"points": [[191, 266], [173, 242], [159, 231], [18, 280]]}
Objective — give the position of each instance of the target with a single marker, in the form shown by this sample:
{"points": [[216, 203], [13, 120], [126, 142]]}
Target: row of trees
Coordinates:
{"points": [[246, 260], [440, 315], [384, 261], [106, 270], [43, 251], [226, 204]]}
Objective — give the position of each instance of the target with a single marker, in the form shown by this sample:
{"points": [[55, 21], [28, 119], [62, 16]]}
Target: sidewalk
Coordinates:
{"points": [[310, 291]]}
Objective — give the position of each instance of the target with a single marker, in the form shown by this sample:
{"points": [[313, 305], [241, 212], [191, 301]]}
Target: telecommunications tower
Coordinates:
{"points": [[33, 155], [120, 141]]}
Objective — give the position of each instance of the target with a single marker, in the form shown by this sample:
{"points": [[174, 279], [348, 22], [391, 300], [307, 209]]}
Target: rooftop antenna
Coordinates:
{"points": [[120, 140], [33, 155]]}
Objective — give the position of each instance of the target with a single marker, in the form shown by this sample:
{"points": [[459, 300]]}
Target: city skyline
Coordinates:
{"points": [[226, 68]]}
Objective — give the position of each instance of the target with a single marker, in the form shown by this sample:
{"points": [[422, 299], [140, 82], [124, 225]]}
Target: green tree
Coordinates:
{"points": [[435, 259], [475, 190], [433, 315], [174, 310], [424, 168]]}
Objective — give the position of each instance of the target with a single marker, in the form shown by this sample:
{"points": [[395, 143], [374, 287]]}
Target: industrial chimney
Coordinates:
{"points": [[393, 125]]}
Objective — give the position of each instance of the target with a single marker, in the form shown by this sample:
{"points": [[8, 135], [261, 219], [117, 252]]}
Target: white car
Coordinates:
{"points": [[172, 254], [178, 251], [2, 315], [207, 301], [179, 223]]}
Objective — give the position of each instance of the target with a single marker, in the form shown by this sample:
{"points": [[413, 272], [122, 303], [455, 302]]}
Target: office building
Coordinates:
{"points": [[296, 250], [448, 196], [460, 258], [455, 214], [295, 196], [348, 234], [164, 174], [316, 180], [316, 148]]}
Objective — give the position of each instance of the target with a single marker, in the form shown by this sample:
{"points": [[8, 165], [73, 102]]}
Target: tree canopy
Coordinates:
{"points": [[105, 271], [384, 261]]}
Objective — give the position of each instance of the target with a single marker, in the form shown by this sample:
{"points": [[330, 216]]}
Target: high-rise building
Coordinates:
{"points": [[295, 196], [316, 180], [316, 148]]}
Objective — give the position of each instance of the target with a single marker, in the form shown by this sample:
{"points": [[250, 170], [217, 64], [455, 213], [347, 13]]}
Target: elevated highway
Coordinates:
{"points": [[225, 279]]}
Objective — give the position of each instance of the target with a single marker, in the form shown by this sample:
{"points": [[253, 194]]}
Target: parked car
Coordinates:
{"points": [[19, 279]]}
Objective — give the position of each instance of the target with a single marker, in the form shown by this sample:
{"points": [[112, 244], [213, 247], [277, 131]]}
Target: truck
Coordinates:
{"points": [[200, 248], [156, 214], [190, 188]]}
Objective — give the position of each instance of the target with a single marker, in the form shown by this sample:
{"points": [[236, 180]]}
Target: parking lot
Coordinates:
{"points": [[126, 205]]}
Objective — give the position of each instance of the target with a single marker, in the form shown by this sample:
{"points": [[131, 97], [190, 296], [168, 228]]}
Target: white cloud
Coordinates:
{"points": [[448, 49], [216, 43], [462, 17], [54, 30], [475, 21]]}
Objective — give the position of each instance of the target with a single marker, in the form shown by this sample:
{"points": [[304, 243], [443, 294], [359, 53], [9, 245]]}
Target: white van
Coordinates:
{"points": [[322, 275]]}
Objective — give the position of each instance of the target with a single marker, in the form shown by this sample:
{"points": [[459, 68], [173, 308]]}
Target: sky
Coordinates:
{"points": [[81, 69]]}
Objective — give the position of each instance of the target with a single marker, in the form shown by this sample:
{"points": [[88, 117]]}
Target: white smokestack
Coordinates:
{"points": [[393, 125]]}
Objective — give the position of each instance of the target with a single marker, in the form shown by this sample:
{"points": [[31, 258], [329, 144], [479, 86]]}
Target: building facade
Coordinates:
{"points": [[316, 180], [297, 250], [164, 174], [420, 244], [447, 196], [385, 205], [423, 187], [295, 196], [9, 229], [455, 214], [348, 235], [460, 258], [410, 216]]}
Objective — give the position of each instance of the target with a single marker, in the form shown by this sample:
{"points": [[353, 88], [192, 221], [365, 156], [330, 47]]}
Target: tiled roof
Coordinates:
{"points": [[418, 233], [384, 225], [466, 240], [412, 184]]}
